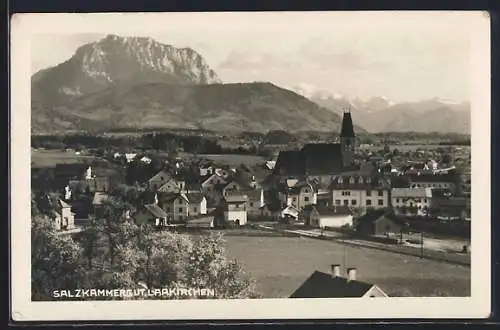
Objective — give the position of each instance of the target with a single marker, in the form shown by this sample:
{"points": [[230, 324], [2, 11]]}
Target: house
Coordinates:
{"points": [[172, 185], [159, 180], [381, 222], [333, 285], [235, 209], [197, 204], [130, 157], [447, 180], [146, 160], [298, 194], [411, 201], [334, 217], [206, 170], [255, 200], [175, 205], [209, 182], [360, 191], [151, 214], [60, 213], [320, 160], [450, 207], [229, 187]]}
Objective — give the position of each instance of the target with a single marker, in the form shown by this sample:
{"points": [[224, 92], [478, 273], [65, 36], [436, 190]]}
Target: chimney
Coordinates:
{"points": [[351, 274], [336, 270]]}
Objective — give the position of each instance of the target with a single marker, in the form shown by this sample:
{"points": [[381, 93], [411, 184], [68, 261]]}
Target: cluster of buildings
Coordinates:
{"points": [[321, 185]]}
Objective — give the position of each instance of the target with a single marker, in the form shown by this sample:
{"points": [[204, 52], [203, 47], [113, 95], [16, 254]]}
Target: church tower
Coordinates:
{"points": [[347, 139]]}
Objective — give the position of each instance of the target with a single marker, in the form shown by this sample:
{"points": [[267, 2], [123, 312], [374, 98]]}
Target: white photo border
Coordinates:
{"points": [[24, 26]]}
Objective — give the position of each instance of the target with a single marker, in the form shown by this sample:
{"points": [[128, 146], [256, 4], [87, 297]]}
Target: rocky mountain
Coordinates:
{"points": [[115, 61], [257, 107]]}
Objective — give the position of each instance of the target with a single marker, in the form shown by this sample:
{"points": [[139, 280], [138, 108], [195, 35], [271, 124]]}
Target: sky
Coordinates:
{"points": [[400, 55]]}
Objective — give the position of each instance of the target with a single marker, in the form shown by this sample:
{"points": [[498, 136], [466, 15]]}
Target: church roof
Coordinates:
{"points": [[289, 162], [322, 158], [312, 159]]}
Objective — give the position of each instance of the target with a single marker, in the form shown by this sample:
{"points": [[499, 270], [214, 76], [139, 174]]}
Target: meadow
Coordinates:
{"points": [[234, 159], [49, 158], [281, 264]]}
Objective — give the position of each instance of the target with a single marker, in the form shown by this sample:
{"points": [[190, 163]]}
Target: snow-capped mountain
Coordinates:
{"points": [[380, 114], [116, 60]]}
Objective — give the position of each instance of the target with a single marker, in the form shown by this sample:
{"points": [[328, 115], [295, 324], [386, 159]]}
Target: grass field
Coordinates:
{"points": [[234, 160], [281, 264], [49, 158], [414, 147]]}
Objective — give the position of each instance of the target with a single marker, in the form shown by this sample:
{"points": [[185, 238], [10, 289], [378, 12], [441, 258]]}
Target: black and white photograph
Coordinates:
{"points": [[253, 165]]}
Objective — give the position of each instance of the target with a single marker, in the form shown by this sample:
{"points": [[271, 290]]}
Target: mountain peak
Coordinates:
{"points": [[115, 60]]}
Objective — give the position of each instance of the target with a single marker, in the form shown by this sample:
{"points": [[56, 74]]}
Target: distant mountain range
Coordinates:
{"points": [[379, 114], [121, 82], [136, 82]]}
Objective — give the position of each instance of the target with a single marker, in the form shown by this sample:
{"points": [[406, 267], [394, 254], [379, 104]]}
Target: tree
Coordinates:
{"points": [[55, 261], [447, 159], [209, 267], [115, 253]]}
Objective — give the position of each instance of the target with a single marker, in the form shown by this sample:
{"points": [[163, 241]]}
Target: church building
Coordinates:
{"points": [[321, 161]]}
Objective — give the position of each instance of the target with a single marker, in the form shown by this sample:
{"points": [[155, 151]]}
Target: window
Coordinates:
{"points": [[306, 199], [368, 193], [380, 193], [351, 180], [180, 217], [425, 200], [180, 209], [346, 202], [346, 193], [306, 191], [337, 202], [380, 202], [251, 204], [195, 209], [368, 202], [353, 202], [161, 178], [368, 180], [237, 206]]}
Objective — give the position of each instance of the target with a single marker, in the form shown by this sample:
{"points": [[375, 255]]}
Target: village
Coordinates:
{"points": [[330, 191]]}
